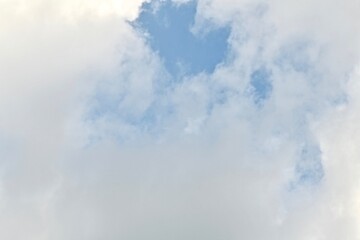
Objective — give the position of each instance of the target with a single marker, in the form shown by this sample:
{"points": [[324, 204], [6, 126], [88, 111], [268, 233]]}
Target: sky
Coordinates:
{"points": [[179, 119]]}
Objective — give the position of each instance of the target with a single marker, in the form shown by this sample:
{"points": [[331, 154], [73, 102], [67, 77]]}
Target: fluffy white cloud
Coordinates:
{"points": [[96, 141], [52, 53], [73, 10]]}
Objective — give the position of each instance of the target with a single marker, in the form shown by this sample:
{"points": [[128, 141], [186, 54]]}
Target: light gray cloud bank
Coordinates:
{"points": [[97, 141]]}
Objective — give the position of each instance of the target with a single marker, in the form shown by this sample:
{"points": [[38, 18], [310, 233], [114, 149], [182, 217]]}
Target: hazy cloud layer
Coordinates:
{"points": [[98, 140]]}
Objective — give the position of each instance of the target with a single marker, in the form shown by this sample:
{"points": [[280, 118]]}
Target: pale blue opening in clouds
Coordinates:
{"points": [[309, 168], [169, 28], [309, 171], [261, 85]]}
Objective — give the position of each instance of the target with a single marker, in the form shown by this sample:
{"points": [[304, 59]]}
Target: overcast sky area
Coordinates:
{"points": [[180, 119]]}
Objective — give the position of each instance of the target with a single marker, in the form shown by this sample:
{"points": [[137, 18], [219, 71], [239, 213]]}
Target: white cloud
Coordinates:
{"points": [[49, 63], [193, 159], [73, 10]]}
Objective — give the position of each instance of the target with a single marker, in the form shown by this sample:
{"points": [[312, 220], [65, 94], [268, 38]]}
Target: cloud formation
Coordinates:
{"points": [[99, 141]]}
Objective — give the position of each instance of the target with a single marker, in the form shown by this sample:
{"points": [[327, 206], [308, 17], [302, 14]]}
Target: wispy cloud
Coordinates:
{"points": [[100, 139]]}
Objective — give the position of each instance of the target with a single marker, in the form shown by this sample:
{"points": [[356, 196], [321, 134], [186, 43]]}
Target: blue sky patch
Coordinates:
{"points": [[309, 169], [169, 28], [260, 85]]}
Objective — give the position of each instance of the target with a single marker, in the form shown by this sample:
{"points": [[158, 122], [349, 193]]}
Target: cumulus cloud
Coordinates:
{"points": [[99, 141]]}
